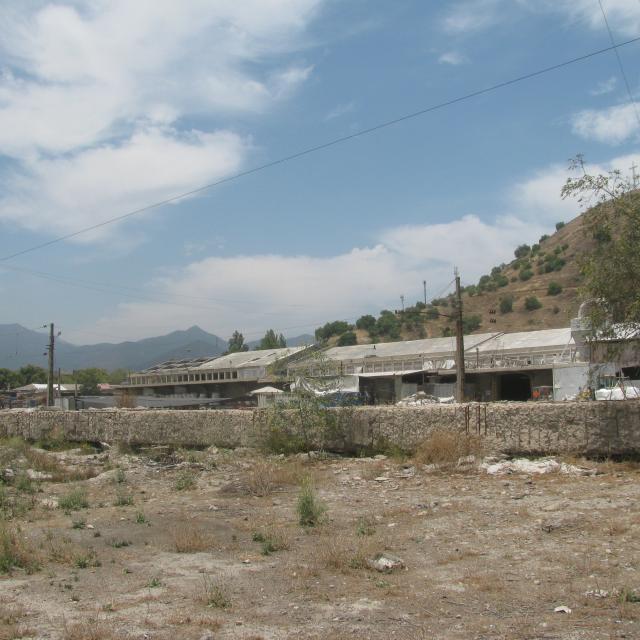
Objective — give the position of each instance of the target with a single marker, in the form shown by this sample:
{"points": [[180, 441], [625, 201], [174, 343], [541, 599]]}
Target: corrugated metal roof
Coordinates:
{"points": [[241, 359]]}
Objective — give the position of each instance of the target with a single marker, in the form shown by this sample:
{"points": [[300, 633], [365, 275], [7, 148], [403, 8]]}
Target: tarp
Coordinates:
{"points": [[327, 386], [617, 393]]}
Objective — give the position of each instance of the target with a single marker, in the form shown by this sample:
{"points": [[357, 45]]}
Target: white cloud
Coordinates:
{"points": [[452, 57], [604, 87], [340, 110], [623, 15], [613, 125], [472, 15], [295, 294], [110, 179], [85, 81]]}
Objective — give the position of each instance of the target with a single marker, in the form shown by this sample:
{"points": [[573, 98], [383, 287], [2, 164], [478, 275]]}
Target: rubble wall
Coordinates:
{"points": [[595, 428]]}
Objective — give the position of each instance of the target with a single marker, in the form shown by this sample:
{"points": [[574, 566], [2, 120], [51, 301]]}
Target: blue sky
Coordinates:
{"points": [[108, 106]]}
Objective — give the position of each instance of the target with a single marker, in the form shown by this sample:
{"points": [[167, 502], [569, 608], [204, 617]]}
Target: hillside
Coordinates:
{"points": [[548, 272]]}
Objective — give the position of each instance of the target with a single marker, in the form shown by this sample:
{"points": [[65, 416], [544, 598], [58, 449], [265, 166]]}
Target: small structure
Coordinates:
{"points": [[267, 396]]}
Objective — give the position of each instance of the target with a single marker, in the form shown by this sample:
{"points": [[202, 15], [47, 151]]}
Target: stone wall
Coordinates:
{"points": [[595, 428]]}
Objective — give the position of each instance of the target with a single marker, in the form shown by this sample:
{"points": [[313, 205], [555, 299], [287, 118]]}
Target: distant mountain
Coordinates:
{"points": [[20, 346]]}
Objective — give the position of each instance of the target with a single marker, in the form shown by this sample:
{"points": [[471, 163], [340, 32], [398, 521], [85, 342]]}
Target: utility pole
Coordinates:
{"points": [[51, 348], [402, 301], [424, 286], [459, 342]]}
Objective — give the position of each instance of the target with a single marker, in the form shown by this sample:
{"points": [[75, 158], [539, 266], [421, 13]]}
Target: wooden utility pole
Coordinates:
{"points": [[459, 343], [50, 376], [424, 286]]}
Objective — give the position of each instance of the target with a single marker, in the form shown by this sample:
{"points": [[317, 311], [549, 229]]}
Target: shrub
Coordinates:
{"points": [[366, 323], [471, 323], [559, 225], [501, 281], [432, 313], [14, 552], [554, 289], [506, 304], [526, 274], [123, 499], [185, 480], [214, 593], [543, 238], [309, 509], [446, 448], [74, 500], [522, 251], [532, 303], [187, 538]]}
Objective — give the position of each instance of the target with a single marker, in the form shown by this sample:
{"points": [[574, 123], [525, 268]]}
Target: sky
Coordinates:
{"points": [[110, 106]]}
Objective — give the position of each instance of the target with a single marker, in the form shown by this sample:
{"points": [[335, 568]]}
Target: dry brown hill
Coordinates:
{"points": [[547, 272]]}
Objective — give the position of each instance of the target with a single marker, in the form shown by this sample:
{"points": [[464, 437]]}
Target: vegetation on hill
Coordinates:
{"points": [[535, 290]]}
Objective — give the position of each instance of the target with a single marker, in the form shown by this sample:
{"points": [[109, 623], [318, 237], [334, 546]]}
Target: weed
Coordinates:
{"points": [[140, 517], [446, 448], [365, 527], [272, 540], [189, 539], [74, 500], [79, 524], [91, 629], [121, 476], [185, 480], [86, 559], [214, 593], [15, 552], [154, 583], [629, 595], [24, 483], [118, 544], [123, 499], [310, 510]]}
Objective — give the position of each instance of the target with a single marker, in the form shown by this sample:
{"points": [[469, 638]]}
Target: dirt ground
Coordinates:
{"points": [[207, 544]]}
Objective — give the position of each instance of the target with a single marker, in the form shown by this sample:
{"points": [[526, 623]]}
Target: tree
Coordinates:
{"points": [[117, 376], [526, 274], [347, 339], [532, 303], [89, 379], [236, 343], [610, 269], [8, 379], [388, 325], [330, 329], [522, 251], [471, 323], [366, 323], [272, 341], [30, 373], [559, 225]]}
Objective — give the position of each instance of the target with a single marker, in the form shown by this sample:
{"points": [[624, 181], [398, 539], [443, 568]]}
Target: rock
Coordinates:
{"points": [[562, 609], [38, 475], [207, 635], [382, 479], [8, 474], [385, 563], [559, 522]]}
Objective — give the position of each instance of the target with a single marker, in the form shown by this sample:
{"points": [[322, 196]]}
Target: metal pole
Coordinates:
{"points": [[424, 286], [459, 343], [50, 376]]}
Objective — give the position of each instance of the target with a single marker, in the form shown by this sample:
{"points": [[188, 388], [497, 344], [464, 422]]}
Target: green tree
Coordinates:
{"points": [[117, 376], [336, 328], [8, 379], [347, 339], [559, 225], [522, 251], [89, 379], [526, 274], [366, 323], [272, 340], [471, 323], [388, 325], [610, 269], [30, 373], [236, 343]]}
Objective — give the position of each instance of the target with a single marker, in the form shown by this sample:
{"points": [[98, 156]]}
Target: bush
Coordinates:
{"points": [[526, 274], [471, 323], [309, 509], [532, 303], [522, 251], [332, 329], [559, 225], [14, 553], [446, 448], [185, 480], [388, 325], [501, 281], [347, 339], [554, 289], [543, 238], [506, 304]]}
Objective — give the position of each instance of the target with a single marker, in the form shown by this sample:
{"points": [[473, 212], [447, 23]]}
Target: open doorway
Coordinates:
{"points": [[515, 386]]}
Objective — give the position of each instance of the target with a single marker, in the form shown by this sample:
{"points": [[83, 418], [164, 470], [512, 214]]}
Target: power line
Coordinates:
{"points": [[325, 145], [622, 71]]}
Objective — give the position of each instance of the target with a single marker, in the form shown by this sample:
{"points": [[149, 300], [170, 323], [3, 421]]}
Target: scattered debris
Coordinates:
{"points": [[385, 563], [544, 465], [562, 609], [596, 593]]}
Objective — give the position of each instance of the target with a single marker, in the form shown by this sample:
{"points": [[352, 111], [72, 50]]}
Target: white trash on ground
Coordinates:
{"points": [[544, 465]]}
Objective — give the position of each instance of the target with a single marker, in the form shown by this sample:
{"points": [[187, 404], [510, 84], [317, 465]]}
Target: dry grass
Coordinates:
{"points": [[338, 553], [41, 461], [485, 582], [445, 448], [10, 617], [90, 630], [15, 551], [186, 537], [179, 619], [214, 592], [617, 528], [266, 476]]}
